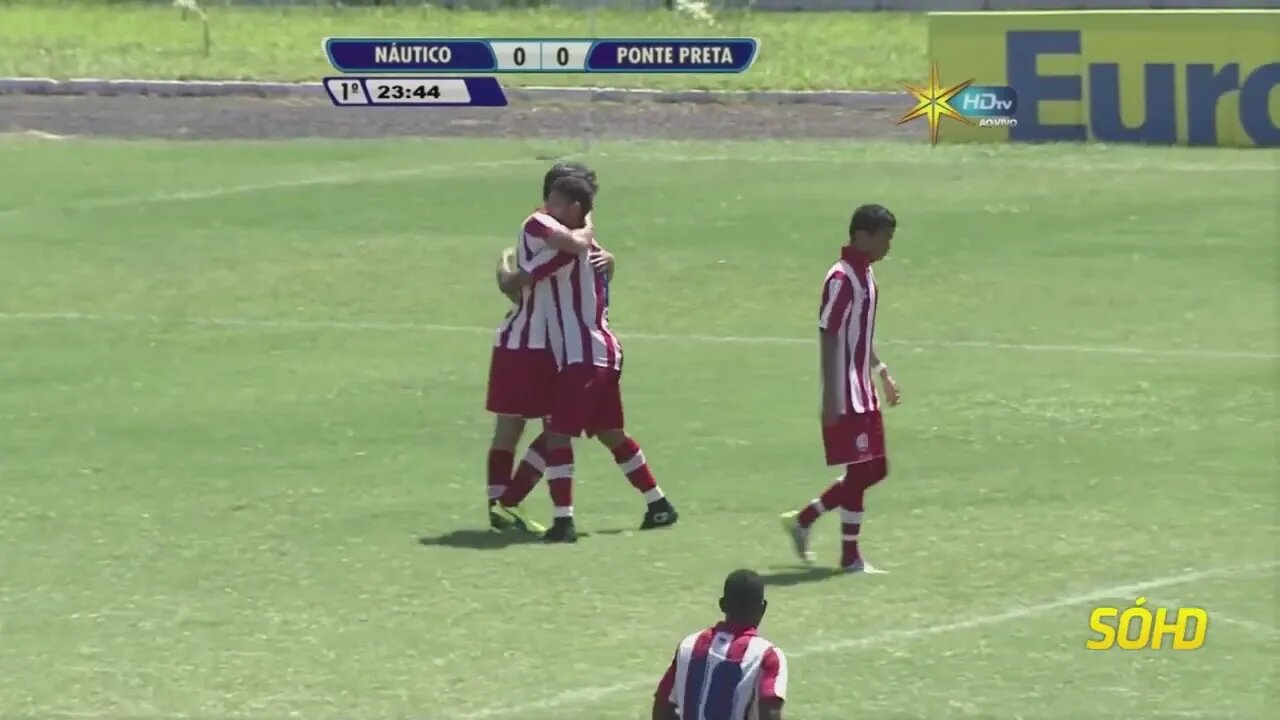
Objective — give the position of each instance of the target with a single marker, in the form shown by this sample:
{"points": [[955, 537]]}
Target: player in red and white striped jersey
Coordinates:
{"points": [[523, 368], [726, 672], [587, 394], [852, 427]]}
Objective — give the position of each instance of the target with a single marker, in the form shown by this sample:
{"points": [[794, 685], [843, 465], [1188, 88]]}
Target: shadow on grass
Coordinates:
{"points": [[475, 539], [798, 576]]}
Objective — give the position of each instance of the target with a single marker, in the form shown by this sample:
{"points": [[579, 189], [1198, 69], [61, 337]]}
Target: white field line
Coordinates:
{"points": [[1217, 617], [660, 337], [585, 696], [222, 191], [430, 170]]}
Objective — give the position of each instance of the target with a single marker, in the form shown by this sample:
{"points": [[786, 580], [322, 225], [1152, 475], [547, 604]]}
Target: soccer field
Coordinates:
{"points": [[242, 464]]}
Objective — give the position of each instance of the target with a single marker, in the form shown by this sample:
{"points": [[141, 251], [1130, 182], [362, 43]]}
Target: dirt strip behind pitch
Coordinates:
{"points": [[217, 118]]}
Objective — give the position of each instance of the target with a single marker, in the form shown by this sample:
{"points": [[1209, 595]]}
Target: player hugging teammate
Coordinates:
{"points": [[556, 358]]}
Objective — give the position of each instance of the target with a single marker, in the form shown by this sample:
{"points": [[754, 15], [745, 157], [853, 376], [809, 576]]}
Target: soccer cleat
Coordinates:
{"points": [[562, 531], [497, 520], [862, 566], [799, 535], [661, 513], [503, 518]]}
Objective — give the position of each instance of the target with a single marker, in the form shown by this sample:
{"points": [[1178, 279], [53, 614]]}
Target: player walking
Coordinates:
{"points": [[726, 672], [587, 396], [852, 428], [523, 368]]}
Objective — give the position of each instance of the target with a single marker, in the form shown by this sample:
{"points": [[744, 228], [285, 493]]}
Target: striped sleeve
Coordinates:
{"points": [[537, 259], [773, 675], [837, 294]]}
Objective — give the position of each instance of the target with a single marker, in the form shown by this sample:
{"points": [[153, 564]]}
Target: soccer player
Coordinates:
{"points": [[587, 396], [852, 427], [726, 672], [522, 369]]}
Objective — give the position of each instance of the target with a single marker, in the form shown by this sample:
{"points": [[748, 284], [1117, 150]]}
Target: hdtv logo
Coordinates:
{"points": [[991, 105]]}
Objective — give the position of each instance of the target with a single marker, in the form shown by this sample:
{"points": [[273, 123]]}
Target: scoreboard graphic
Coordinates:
{"points": [[446, 72]]}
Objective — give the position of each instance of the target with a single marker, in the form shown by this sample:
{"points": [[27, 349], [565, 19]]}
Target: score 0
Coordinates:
{"points": [[565, 56], [534, 56], [518, 56]]}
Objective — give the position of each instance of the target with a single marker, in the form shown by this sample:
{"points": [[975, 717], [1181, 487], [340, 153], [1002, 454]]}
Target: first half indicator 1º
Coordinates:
{"points": [[351, 91]]}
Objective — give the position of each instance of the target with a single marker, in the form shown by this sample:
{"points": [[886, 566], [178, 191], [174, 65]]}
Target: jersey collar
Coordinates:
{"points": [[854, 257], [734, 628]]}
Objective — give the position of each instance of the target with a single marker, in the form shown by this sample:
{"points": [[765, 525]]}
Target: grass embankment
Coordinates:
{"points": [[798, 50]]}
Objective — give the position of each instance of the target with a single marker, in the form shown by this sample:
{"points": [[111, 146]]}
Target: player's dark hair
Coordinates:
{"points": [[568, 169], [872, 219], [576, 188], [743, 593]]}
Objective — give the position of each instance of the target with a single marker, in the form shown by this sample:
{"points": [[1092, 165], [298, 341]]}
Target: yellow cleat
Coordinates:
{"points": [[498, 521], [516, 517]]}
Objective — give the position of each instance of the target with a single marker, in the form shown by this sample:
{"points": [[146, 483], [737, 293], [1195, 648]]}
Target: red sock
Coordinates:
{"points": [[500, 462], [560, 480], [858, 478], [528, 473], [830, 499], [851, 524], [631, 462]]}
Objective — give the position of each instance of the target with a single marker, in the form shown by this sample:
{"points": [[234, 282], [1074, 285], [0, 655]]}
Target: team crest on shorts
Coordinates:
{"points": [[862, 442]]}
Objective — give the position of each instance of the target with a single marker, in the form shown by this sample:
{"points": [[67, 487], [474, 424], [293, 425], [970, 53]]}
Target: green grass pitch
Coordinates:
{"points": [[241, 385]]}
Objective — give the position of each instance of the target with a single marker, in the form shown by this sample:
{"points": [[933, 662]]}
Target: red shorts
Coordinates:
{"points": [[854, 438], [521, 382], [588, 399]]}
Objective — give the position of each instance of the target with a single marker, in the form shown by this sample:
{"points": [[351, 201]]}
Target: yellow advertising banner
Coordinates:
{"points": [[1163, 76]]}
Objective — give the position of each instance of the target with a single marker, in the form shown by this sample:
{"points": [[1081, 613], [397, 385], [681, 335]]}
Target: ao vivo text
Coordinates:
{"points": [[1140, 628], [992, 105]]}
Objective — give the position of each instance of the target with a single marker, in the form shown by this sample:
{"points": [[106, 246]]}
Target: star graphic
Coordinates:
{"points": [[934, 102]]}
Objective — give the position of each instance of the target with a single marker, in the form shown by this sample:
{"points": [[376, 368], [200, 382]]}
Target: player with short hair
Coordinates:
{"points": [[852, 427], [587, 397], [522, 369], [726, 672]]}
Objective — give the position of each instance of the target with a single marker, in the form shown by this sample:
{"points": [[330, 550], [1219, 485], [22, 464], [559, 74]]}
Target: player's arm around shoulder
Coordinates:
{"points": [[542, 252], [539, 261], [558, 237]]}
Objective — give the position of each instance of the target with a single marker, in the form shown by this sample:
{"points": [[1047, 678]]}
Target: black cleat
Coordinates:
{"points": [[562, 531], [660, 514]]}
